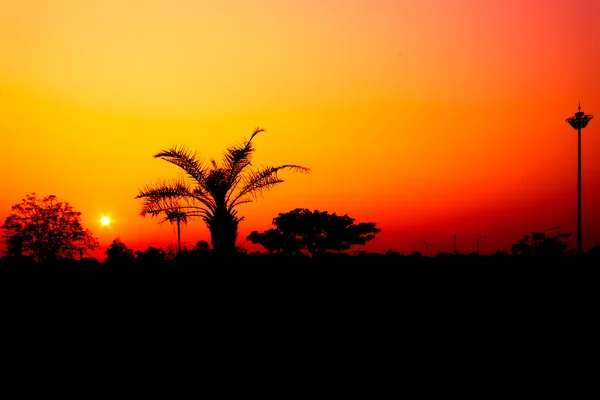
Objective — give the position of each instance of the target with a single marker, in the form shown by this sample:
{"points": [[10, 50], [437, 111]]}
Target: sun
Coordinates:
{"points": [[105, 220]]}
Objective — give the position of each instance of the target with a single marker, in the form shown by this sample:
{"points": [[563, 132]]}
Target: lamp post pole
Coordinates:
{"points": [[578, 122], [425, 248], [478, 239]]}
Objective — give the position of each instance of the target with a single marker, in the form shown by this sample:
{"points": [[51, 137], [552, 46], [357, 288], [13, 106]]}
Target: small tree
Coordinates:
{"points": [[47, 229], [315, 232]]}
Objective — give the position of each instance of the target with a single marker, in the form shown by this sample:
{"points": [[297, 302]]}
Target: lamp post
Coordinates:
{"points": [[478, 239], [425, 248], [578, 122]]}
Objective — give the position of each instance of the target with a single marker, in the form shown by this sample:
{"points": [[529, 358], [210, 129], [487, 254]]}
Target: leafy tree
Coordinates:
{"points": [[47, 229], [538, 244], [118, 253], [214, 190], [315, 232]]}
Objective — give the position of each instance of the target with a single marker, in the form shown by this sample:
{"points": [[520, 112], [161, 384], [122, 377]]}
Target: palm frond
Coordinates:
{"points": [[186, 160], [175, 214], [165, 189], [164, 207], [173, 196], [264, 179], [239, 157]]}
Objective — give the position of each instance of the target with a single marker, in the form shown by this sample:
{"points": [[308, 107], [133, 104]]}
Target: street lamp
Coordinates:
{"points": [[425, 248], [478, 239], [578, 122]]}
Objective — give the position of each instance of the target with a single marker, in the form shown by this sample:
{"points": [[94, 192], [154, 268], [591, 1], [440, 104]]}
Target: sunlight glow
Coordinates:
{"points": [[105, 220]]}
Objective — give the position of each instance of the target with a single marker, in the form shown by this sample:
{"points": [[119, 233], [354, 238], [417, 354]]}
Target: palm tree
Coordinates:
{"points": [[178, 217], [213, 190]]}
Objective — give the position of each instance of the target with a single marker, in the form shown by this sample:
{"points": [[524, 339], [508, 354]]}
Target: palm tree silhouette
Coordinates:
{"points": [[214, 190], [178, 217]]}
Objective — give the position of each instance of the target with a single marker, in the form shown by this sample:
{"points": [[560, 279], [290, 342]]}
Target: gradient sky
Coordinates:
{"points": [[430, 118]]}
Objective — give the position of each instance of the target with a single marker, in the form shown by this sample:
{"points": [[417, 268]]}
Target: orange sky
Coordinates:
{"points": [[429, 117]]}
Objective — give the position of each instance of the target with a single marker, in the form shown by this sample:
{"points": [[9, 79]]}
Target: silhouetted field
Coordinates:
{"points": [[475, 283]]}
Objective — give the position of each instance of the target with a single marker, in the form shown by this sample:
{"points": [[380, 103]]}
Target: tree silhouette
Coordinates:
{"points": [[152, 255], [202, 246], [316, 232], [118, 253], [538, 244], [215, 190], [47, 229], [178, 217]]}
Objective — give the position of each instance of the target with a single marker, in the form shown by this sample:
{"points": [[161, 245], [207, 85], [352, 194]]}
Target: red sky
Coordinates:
{"points": [[430, 118]]}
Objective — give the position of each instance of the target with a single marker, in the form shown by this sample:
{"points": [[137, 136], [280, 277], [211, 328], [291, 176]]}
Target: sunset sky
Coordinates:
{"points": [[430, 118]]}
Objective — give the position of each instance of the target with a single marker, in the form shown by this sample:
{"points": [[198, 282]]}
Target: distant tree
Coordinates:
{"points": [[538, 244], [178, 217], [393, 253], [500, 253], [171, 251], [118, 253], [315, 232], [202, 246], [174, 214], [47, 229], [216, 190], [152, 255]]}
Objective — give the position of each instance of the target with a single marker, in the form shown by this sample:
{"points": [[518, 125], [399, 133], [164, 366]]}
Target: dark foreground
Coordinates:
{"points": [[480, 284]]}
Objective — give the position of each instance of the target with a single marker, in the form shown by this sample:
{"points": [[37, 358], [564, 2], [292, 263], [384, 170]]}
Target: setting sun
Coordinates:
{"points": [[105, 220]]}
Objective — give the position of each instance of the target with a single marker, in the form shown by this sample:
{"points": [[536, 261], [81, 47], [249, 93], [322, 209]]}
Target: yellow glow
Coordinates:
{"points": [[433, 119]]}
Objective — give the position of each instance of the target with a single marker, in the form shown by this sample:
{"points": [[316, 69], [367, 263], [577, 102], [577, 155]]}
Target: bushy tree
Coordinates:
{"points": [[214, 191], [152, 255], [118, 253], [47, 229], [315, 232], [538, 244]]}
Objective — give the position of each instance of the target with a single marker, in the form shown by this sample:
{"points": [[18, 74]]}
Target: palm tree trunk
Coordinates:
{"points": [[223, 233]]}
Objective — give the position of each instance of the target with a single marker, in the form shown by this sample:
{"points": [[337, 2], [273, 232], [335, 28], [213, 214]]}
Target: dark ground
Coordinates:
{"points": [[479, 284]]}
